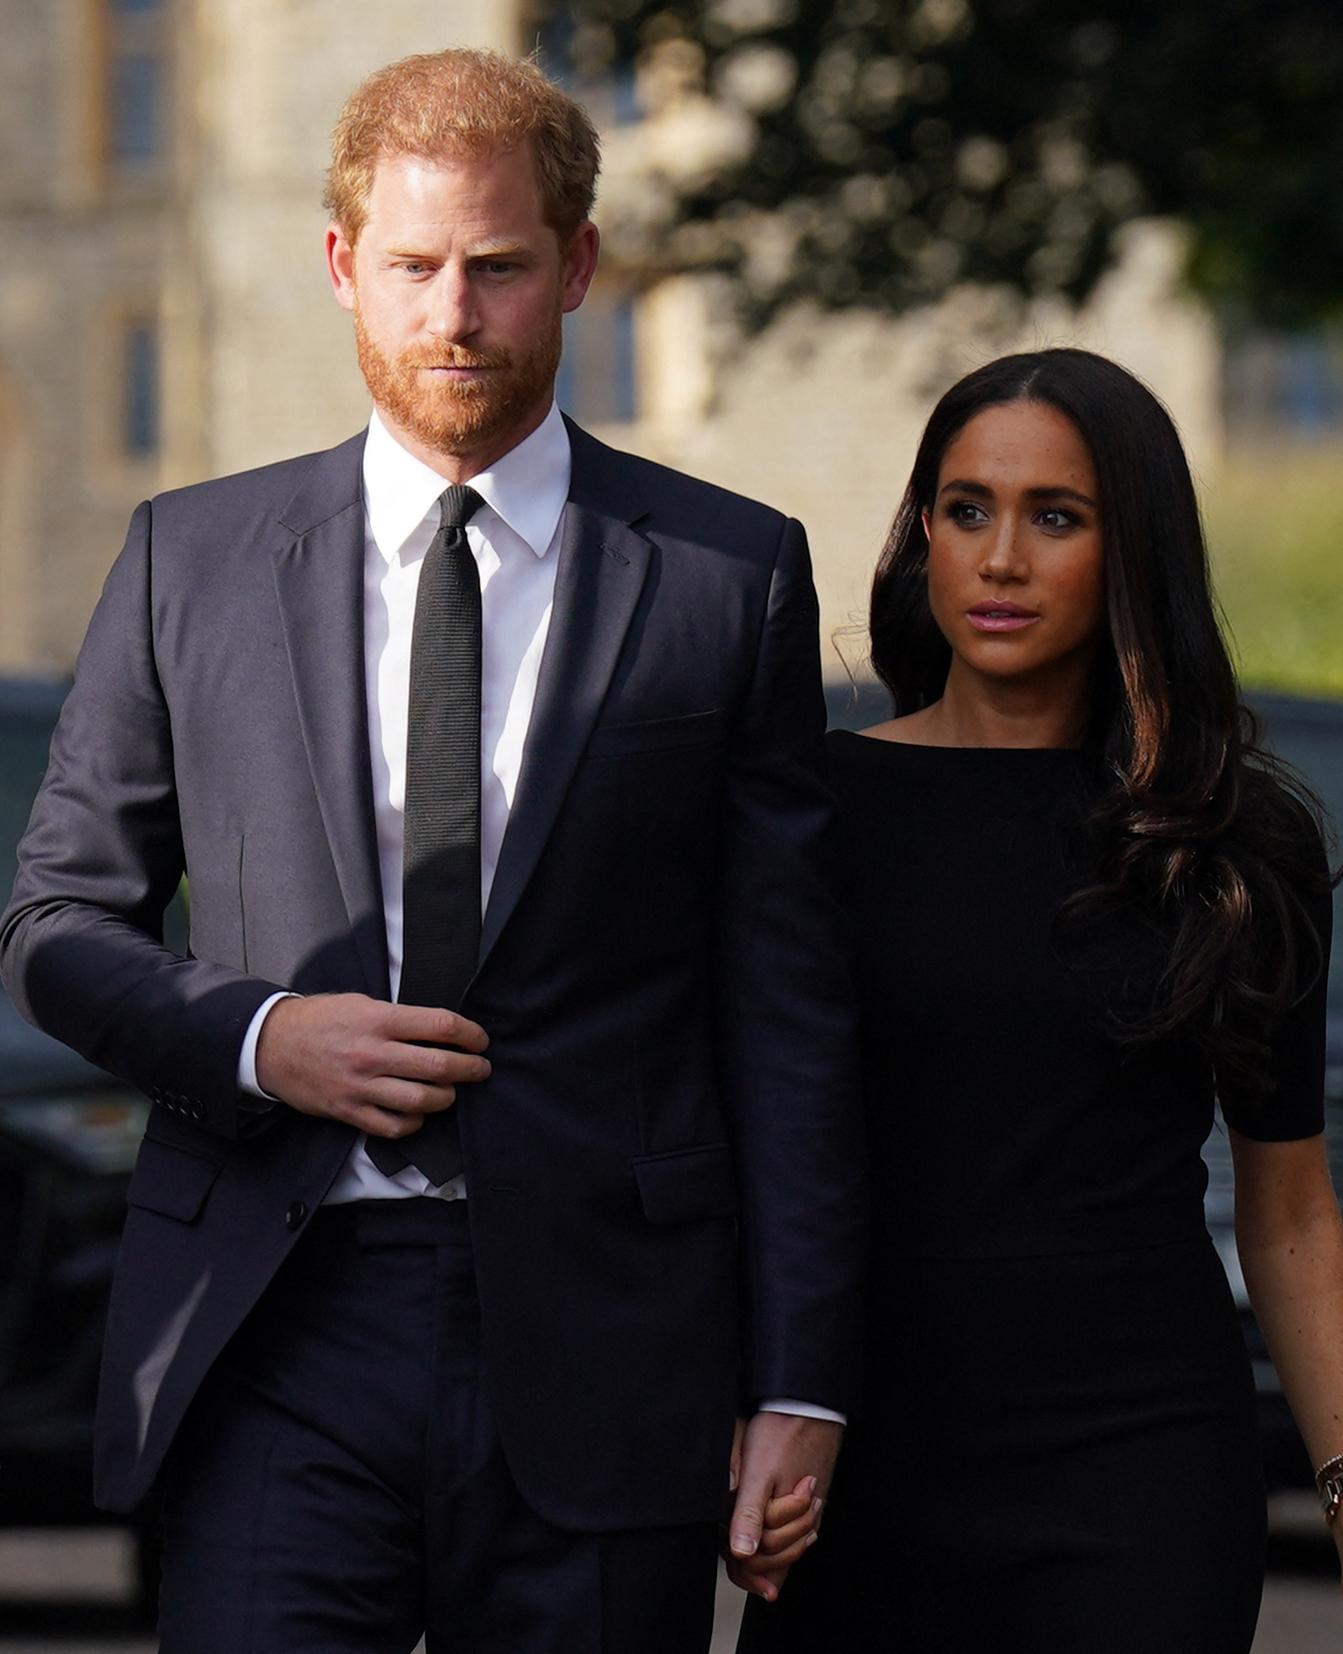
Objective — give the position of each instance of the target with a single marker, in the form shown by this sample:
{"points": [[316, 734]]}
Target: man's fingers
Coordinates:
{"points": [[734, 1459], [407, 1096], [436, 1026], [748, 1513], [378, 1122], [432, 1064]]}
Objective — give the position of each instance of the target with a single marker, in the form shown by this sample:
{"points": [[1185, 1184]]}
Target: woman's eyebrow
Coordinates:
{"points": [[1061, 494]]}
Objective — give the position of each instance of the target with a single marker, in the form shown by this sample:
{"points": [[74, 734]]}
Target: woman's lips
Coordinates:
{"points": [[1000, 617]]}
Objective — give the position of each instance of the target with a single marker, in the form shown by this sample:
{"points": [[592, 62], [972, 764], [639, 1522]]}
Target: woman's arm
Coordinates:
{"points": [[1290, 1238]]}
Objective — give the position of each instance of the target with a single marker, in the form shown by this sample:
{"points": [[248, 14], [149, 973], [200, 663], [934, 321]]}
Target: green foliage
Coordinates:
{"points": [[897, 146], [1275, 529]]}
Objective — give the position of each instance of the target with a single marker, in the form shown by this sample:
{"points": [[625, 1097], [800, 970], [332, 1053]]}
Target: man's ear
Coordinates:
{"points": [[580, 264], [340, 265]]}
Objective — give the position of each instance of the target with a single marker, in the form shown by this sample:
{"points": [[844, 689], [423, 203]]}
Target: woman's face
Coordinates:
{"points": [[1015, 566]]}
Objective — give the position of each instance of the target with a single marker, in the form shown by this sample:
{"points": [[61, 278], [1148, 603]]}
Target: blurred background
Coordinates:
{"points": [[815, 216]]}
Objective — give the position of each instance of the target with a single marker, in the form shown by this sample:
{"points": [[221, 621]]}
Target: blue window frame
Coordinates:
{"points": [[611, 97], [137, 95], [140, 390], [136, 71], [598, 378]]}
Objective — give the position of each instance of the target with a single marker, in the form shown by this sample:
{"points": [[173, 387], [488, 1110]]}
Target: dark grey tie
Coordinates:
{"points": [[441, 878]]}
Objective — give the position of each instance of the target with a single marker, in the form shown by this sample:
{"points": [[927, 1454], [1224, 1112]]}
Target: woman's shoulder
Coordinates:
{"points": [[857, 745]]}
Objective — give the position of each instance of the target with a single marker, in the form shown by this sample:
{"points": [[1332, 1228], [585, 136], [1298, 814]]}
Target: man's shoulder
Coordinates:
{"points": [[677, 503], [265, 491]]}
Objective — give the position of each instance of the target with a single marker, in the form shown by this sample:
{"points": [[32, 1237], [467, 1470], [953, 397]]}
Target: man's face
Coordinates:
{"points": [[458, 285]]}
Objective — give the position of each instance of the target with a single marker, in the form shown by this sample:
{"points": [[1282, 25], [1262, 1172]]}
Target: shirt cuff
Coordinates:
{"points": [[803, 1409], [247, 1080]]}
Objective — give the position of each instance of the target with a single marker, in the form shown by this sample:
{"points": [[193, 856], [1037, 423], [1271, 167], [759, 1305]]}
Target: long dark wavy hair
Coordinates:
{"points": [[1199, 827]]}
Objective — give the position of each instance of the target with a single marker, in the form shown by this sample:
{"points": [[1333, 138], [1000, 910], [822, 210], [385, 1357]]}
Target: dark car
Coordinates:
{"points": [[68, 1140], [1309, 734]]}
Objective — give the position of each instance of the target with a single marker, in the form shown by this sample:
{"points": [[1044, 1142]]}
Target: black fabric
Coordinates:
{"points": [[441, 878], [1058, 1449], [340, 1482]]}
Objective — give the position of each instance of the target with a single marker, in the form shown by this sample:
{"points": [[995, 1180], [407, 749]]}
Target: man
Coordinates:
{"points": [[503, 1143]]}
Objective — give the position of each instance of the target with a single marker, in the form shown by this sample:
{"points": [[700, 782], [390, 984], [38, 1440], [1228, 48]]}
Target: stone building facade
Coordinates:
{"points": [[164, 312]]}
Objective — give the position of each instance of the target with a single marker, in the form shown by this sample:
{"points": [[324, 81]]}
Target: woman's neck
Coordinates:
{"points": [[992, 712]]}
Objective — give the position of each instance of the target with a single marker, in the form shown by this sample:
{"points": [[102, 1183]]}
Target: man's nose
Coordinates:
{"points": [[452, 308]]}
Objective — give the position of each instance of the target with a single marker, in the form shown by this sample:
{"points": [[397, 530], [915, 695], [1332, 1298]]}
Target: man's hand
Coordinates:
{"points": [[782, 1466], [377, 1066]]}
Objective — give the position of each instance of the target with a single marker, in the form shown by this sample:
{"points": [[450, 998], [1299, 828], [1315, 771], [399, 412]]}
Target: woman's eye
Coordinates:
{"points": [[966, 512], [1056, 519]]}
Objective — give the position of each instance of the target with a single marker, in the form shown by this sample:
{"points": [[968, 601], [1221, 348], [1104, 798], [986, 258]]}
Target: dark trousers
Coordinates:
{"points": [[339, 1482]]}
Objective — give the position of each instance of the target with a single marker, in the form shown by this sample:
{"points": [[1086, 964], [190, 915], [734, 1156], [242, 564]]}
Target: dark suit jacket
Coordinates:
{"points": [[664, 1169]]}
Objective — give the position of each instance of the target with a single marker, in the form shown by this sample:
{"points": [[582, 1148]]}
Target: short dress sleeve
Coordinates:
{"points": [[1294, 1108]]}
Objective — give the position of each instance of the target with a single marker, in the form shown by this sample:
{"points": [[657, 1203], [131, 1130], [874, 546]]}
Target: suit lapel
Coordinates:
{"points": [[602, 566], [319, 584]]}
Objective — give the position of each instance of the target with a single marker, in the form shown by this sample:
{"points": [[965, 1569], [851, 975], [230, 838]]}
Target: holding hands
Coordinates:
{"points": [[781, 1469]]}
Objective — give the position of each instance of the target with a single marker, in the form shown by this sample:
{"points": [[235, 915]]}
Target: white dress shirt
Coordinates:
{"points": [[514, 538]]}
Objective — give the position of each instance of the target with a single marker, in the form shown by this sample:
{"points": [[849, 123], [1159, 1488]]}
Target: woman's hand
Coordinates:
{"points": [[1290, 1240], [790, 1530]]}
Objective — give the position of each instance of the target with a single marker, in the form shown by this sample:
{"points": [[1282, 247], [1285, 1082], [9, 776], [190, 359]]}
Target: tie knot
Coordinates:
{"points": [[457, 505]]}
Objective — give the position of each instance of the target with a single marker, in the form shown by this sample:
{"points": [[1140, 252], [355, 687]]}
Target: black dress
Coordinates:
{"points": [[1058, 1451]]}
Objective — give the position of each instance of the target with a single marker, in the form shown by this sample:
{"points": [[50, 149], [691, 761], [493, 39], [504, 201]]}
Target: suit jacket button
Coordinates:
{"points": [[295, 1215], [198, 1110]]}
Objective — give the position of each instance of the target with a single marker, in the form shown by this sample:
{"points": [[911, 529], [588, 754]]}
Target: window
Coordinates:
{"points": [[597, 381], [1285, 385], [135, 99], [607, 90], [140, 390]]}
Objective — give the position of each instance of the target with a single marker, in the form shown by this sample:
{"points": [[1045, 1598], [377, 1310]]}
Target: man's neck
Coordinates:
{"points": [[463, 464]]}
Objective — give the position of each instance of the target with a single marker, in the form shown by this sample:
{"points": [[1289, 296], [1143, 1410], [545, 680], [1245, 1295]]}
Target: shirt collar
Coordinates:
{"points": [[528, 487]]}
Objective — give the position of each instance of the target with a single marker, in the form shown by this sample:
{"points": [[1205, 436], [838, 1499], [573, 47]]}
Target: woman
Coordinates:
{"points": [[1085, 905]]}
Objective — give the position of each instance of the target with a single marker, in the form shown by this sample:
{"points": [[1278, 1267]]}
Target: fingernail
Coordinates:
{"points": [[732, 1481], [812, 1537], [817, 1506], [743, 1544], [811, 1485]]}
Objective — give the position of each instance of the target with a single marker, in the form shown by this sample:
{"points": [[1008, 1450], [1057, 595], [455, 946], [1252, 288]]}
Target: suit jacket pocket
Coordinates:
{"points": [[171, 1181], [692, 729], [687, 1185]]}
